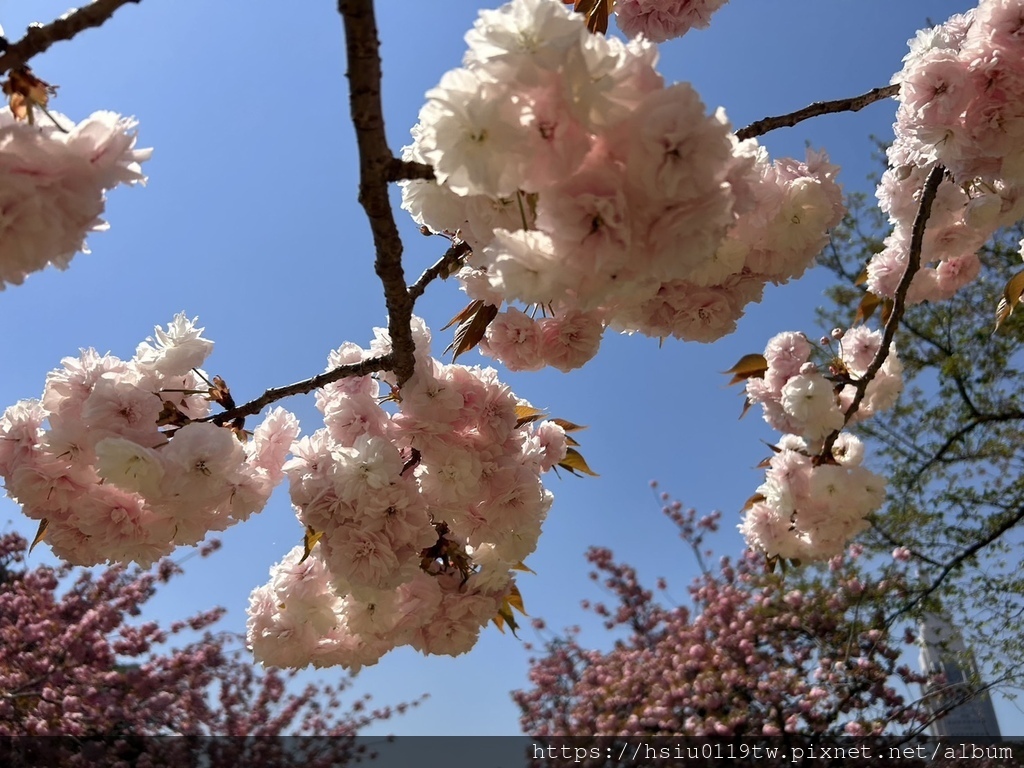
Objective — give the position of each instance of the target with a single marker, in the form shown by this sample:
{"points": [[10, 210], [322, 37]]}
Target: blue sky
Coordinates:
{"points": [[250, 221]]}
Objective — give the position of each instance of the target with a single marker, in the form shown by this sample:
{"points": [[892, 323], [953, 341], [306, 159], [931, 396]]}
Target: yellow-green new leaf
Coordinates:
{"points": [[575, 463], [513, 601], [503, 617], [568, 426], [771, 562], [40, 533], [1011, 297], [748, 367], [887, 305], [309, 540], [757, 498], [868, 304], [526, 414]]}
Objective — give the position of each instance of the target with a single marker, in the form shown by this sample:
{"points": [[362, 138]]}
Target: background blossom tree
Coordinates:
{"points": [[77, 663], [757, 655]]}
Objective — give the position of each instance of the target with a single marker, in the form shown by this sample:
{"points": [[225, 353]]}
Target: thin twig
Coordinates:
{"points": [[899, 302], [451, 257], [251, 408], [818, 108], [376, 164], [39, 37], [917, 554], [960, 434], [957, 561]]}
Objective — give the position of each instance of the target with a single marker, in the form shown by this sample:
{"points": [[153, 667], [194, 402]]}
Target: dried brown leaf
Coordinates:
{"points": [[472, 330], [748, 367], [575, 463], [1011, 297]]}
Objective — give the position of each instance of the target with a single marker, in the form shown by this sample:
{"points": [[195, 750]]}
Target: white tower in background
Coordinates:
{"points": [[943, 650]]}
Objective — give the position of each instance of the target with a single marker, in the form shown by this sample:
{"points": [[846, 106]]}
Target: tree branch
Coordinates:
{"points": [[451, 257], [39, 37], [251, 408], [899, 303], [401, 170], [957, 561], [877, 528], [818, 108], [960, 434], [376, 166], [385, 363]]}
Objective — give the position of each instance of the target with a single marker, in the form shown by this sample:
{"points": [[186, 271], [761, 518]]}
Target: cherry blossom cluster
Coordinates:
{"points": [[961, 91], [808, 508], [419, 516], [52, 186], [114, 464], [594, 194], [661, 20]]}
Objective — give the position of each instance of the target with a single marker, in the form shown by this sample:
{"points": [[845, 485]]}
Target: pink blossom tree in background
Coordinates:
{"points": [[757, 655], [76, 663], [577, 193]]}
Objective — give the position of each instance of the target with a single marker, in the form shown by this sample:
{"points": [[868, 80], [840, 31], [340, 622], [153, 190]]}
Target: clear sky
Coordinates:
{"points": [[250, 221]]}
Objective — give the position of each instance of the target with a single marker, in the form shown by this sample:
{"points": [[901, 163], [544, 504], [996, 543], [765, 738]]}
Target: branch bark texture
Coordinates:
{"points": [[39, 37], [817, 109], [899, 303], [376, 166]]}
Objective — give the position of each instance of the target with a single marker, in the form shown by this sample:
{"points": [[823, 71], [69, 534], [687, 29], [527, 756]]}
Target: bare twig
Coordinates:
{"points": [[917, 554], [1007, 524], [39, 37], [362, 368], [451, 257], [384, 363], [376, 166], [818, 108], [899, 303]]}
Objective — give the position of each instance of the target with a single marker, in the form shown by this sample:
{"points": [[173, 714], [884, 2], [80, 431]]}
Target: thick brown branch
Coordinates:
{"points": [[39, 37], [401, 170], [899, 302], [303, 387], [818, 108], [376, 164]]}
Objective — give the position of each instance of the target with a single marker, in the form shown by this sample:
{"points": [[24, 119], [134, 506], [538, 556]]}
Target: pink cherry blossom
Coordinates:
{"points": [[661, 20]]}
